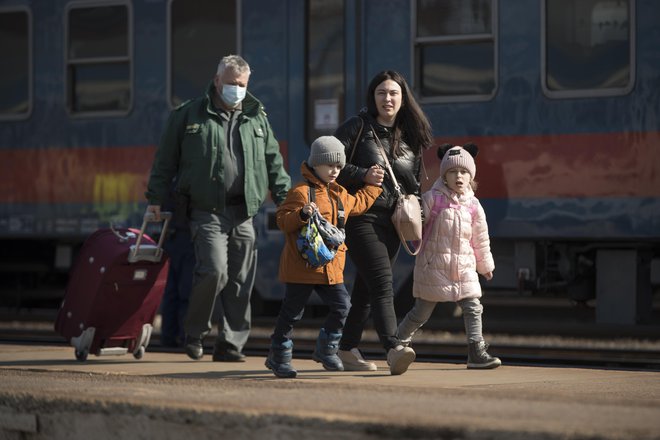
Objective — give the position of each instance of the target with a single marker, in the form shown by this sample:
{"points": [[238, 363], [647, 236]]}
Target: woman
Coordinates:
{"points": [[393, 115]]}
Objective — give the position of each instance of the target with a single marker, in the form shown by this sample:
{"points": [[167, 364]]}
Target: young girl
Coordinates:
{"points": [[455, 249], [326, 159]]}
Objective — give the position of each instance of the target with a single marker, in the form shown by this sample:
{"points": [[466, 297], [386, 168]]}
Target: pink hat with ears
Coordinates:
{"points": [[456, 156]]}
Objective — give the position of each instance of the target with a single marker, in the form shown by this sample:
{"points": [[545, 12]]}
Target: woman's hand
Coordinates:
{"points": [[375, 175]]}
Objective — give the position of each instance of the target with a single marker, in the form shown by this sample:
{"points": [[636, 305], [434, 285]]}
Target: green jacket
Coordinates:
{"points": [[191, 148]]}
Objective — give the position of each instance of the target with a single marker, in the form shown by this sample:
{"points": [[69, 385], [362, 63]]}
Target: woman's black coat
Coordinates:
{"points": [[367, 153]]}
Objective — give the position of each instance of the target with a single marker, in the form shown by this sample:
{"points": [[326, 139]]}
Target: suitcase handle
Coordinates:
{"points": [[150, 252]]}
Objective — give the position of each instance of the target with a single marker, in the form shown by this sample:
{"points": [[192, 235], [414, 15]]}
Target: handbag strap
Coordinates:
{"points": [[410, 251], [357, 139], [397, 188], [340, 207]]}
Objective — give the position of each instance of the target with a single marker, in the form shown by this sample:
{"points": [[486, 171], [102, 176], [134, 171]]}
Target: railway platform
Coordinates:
{"points": [[46, 394]]}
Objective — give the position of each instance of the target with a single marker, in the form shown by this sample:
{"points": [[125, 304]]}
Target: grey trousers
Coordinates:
{"points": [[422, 310], [225, 251]]}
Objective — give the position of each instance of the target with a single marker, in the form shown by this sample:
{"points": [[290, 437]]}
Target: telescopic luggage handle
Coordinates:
{"points": [[149, 252]]}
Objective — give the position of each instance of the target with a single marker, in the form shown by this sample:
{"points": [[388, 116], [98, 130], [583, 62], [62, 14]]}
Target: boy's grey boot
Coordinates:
{"points": [[327, 345], [478, 357], [279, 359]]}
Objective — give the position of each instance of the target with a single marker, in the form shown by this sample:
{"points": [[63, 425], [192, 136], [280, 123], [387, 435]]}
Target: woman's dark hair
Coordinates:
{"points": [[410, 121]]}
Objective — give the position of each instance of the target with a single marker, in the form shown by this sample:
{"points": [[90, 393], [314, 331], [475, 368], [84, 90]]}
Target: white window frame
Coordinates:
{"points": [[129, 57], [587, 93], [30, 72], [416, 41]]}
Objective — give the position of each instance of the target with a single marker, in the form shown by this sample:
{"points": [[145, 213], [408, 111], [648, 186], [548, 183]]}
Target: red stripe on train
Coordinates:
{"points": [[74, 175], [77, 175], [569, 165]]}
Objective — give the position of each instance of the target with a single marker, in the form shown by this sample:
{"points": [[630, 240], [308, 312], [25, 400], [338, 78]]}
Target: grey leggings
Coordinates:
{"points": [[422, 310]]}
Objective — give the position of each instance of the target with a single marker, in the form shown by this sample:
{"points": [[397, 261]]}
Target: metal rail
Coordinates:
{"points": [[450, 352]]}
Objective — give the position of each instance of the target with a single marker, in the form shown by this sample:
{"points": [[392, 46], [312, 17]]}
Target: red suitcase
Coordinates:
{"points": [[115, 288]]}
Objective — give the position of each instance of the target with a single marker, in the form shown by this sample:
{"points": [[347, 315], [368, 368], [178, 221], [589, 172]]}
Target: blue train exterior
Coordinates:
{"points": [[569, 159]]}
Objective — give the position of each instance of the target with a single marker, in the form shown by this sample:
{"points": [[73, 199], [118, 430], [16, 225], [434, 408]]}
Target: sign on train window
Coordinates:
{"points": [[588, 48], [98, 59], [16, 72], [325, 67], [455, 50], [201, 33]]}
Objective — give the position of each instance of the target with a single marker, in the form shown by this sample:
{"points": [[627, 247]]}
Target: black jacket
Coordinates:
{"points": [[406, 167]]}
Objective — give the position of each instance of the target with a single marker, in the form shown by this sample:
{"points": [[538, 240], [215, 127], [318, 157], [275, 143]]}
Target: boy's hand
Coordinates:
{"points": [[309, 209]]}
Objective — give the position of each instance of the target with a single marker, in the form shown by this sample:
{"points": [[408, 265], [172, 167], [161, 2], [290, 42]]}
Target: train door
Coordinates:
{"points": [[337, 65], [325, 67], [197, 37]]}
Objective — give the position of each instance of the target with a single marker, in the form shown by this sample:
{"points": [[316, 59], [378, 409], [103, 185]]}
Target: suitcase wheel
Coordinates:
{"points": [[139, 353], [81, 355]]}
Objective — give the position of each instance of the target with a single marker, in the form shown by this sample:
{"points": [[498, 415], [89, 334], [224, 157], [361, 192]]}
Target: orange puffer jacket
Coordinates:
{"points": [[293, 268]]}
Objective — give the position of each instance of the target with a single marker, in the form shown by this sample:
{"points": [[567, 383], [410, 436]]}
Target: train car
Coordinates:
{"points": [[562, 97]]}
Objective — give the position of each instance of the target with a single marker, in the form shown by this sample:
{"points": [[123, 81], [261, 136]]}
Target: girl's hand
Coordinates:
{"points": [[374, 176], [488, 276]]}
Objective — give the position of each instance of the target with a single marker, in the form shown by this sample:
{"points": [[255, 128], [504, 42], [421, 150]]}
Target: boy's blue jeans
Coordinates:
{"points": [[334, 296]]}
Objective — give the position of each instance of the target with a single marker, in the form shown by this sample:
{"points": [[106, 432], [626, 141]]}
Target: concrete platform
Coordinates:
{"points": [[46, 394]]}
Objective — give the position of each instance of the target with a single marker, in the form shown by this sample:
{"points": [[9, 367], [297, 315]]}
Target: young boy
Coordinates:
{"points": [[326, 159]]}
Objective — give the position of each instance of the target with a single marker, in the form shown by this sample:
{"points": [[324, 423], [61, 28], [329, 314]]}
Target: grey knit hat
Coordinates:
{"points": [[458, 157], [326, 150]]}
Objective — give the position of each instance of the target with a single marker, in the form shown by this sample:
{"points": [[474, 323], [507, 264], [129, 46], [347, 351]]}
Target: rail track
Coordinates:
{"points": [[535, 350]]}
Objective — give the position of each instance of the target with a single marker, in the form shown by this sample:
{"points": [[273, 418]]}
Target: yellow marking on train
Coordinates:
{"points": [[117, 195]]}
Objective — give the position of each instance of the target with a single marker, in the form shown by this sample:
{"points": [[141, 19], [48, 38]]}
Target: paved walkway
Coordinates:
{"points": [[46, 392]]}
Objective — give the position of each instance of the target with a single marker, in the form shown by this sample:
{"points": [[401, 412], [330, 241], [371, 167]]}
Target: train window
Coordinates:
{"points": [[588, 48], [455, 50], [98, 59], [199, 36], [16, 73], [325, 67]]}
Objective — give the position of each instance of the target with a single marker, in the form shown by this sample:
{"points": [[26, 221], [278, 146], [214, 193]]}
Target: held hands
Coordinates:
{"points": [[374, 176]]}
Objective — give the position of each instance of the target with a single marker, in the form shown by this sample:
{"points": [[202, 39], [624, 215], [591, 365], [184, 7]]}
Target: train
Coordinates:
{"points": [[561, 96]]}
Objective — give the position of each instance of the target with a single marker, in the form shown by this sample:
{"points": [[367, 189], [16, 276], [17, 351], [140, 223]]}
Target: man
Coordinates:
{"points": [[223, 152]]}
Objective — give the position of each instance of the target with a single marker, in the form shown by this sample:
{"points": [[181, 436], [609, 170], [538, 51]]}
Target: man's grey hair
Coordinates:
{"points": [[236, 63]]}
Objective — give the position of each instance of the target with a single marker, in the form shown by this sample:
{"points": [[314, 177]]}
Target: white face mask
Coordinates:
{"points": [[232, 94]]}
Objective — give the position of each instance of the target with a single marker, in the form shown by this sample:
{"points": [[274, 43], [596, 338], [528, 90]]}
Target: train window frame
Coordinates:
{"points": [[419, 42], [169, 58], [94, 61], [30, 64], [587, 92]]}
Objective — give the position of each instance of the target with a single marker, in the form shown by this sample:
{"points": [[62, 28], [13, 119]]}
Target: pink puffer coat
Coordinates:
{"points": [[456, 247]]}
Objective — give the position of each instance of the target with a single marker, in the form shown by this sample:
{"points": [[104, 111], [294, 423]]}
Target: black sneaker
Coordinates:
{"points": [[228, 355], [194, 348]]}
